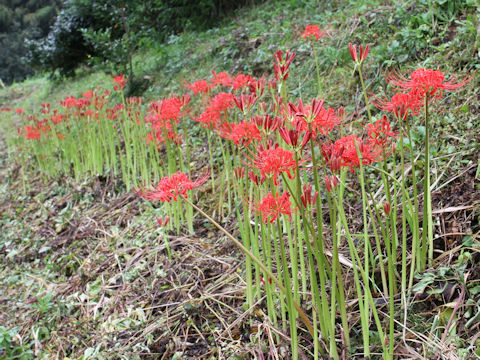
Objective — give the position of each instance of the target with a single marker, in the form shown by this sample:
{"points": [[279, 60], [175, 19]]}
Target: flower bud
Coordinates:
{"points": [[386, 208]]}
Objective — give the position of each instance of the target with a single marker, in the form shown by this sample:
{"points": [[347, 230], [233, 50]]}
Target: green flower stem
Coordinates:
{"points": [[290, 299], [366, 239], [267, 258], [324, 270], [266, 271], [333, 277], [404, 226], [210, 154], [357, 267], [364, 93], [387, 241], [427, 198], [391, 290], [319, 79], [247, 243], [416, 219], [319, 238], [324, 303], [273, 237], [297, 235]]}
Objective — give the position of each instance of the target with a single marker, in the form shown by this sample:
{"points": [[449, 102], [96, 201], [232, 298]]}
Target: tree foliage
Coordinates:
{"points": [[104, 33], [56, 35], [20, 20]]}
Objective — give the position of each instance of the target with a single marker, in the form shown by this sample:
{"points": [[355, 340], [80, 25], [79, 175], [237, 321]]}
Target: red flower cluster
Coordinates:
{"points": [[426, 82], [271, 207], [272, 161], [200, 86], [281, 65], [212, 115], [307, 198], [360, 55], [163, 221], [170, 188], [379, 132], [292, 137], [120, 82], [243, 133], [161, 112], [344, 153], [30, 132], [321, 120], [313, 31], [235, 82], [401, 104]]}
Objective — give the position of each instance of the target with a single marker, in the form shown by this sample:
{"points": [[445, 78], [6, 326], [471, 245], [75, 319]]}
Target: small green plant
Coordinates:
{"points": [[11, 346]]}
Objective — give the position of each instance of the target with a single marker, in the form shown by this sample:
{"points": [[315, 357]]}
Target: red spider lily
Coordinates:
{"points": [[426, 82], [271, 207], [170, 188], [281, 65], [313, 31], [218, 105], [350, 156], [272, 161], [332, 156], [267, 123], [30, 132], [257, 86], [6, 109], [306, 113], [325, 121], [239, 172], [159, 139], [69, 102], [379, 132], [243, 133], [120, 81], [45, 108], [298, 111], [19, 110], [221, 78], [88, 94], [401, 104], [322, 120], [292, 136], [241, 81], [134, 100], [160, 113], [344, 153], [245, 102], [200, 86], [82, 103], [306, 197], [386, 208], [163, 221], [361, 55], [331, 182], [170, 108], [341, 114], [255, 178]]}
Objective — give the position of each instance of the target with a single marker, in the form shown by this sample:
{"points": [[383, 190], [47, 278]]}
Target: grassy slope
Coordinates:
{"points": [[85, 273]]}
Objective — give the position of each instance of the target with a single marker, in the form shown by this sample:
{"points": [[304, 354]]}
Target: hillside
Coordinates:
{"points": [[98, 264]]}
